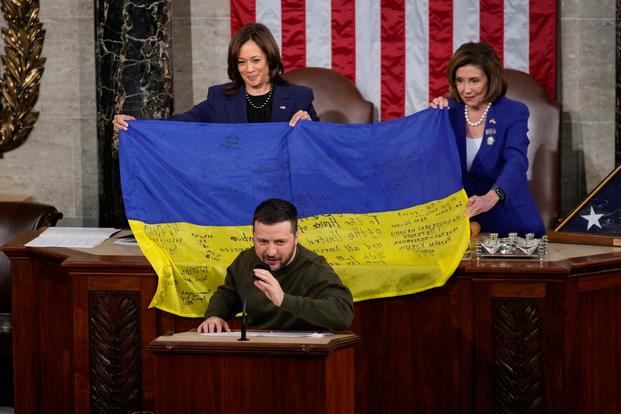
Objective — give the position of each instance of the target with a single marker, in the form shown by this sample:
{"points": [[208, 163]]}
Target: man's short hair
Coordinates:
{"points": [[275, 211]]}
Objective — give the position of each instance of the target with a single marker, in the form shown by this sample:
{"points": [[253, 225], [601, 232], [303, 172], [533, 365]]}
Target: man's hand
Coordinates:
{"points": [[213, 324], [269, 285]]}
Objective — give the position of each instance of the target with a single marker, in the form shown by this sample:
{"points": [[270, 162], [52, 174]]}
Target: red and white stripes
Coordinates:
{"points": [[396, 51]]}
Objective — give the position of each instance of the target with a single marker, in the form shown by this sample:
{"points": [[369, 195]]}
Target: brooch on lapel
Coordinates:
{"points": [[489, 133]]}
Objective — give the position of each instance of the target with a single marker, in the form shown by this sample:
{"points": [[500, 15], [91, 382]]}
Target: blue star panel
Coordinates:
{"points": [[602, 213]]}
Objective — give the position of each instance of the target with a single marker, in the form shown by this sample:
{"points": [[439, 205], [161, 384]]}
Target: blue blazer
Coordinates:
{"points": [[219, 108], [501, 161]]}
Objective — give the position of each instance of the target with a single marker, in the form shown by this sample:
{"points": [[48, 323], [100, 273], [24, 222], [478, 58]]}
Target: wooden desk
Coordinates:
{"points": [[214, 374], [15, 197], [500, 336]]}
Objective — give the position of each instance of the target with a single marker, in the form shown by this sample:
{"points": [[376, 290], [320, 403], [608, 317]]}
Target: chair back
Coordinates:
{"points": [[543, 151], [336, 98], [15, 218]]}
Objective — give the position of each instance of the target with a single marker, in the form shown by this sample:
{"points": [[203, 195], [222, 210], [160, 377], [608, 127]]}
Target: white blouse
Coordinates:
{"points": [[472, 147]]}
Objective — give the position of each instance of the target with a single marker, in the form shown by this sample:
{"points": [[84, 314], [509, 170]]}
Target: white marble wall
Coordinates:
{"points": [[58, 163], [202, 62], [587, 94]]}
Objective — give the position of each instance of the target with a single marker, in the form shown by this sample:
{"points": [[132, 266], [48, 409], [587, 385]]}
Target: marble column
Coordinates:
{"points": [[134, 77]]}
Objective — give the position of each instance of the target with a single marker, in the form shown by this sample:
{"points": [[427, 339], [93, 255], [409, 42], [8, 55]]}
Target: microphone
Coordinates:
{"points": [[261, 265], [244, 327]]}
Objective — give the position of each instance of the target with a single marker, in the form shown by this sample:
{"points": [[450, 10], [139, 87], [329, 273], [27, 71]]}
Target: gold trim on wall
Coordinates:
{"points": [[23, 67]]}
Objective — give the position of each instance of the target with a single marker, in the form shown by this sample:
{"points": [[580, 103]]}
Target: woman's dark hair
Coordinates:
{"points": [[262, 36], [275, 210], [482, 56]]}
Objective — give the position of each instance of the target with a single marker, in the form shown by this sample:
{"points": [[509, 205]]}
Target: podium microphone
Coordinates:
{"points": [[244, 326]]}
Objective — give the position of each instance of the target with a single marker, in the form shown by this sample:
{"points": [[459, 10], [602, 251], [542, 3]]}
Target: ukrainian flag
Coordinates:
{"points": [[382, 202]]}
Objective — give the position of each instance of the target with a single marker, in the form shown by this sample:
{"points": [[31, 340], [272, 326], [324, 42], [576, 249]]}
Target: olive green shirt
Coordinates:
{"points": [[315, 298]]}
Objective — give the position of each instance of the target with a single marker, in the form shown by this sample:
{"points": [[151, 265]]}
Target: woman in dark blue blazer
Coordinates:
{"points": [[491, 133], [257, 91]]}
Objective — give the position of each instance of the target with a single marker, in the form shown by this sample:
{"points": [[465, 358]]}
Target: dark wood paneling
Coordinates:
{"points": [[598, 352], [442, 351], [253, 384], [54, 332], [115, 352], [412, 347], [26, 352], [518, 384]]}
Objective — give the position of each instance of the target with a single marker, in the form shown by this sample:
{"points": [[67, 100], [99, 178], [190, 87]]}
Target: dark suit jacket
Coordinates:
{"points": [[504, 164], [219, 108]]}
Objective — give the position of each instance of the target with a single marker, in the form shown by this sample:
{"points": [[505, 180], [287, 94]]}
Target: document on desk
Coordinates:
{"points": [[274, 334], [82, 237]]}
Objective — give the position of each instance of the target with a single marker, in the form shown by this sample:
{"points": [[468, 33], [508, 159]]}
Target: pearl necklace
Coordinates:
{"points": [[480, 121], [269, 96]]}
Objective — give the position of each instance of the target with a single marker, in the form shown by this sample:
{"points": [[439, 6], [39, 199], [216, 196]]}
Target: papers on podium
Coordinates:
{"points": [[76, 237]]}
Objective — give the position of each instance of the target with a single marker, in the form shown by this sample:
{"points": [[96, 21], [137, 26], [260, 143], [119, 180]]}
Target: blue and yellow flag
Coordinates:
{"points": [[382, 202]]}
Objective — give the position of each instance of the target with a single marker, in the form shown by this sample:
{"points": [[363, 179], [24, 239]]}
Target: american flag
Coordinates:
{"points": [[396, 51], [600, 212]]}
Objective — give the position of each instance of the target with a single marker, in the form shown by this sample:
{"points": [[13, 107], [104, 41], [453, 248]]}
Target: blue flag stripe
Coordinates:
{"points": [[216, 174]]}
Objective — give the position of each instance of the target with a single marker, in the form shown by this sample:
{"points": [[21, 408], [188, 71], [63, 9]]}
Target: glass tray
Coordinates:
{"points": [[511, 247]]}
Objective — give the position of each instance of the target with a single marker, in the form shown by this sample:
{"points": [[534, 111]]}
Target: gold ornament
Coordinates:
{"points": [[23, 67]]}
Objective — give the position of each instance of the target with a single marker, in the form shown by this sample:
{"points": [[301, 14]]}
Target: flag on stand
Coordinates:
{"points": [[600, 211]]}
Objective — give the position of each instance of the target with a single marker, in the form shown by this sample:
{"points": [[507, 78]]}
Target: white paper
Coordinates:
{"points": [[83, 237]]}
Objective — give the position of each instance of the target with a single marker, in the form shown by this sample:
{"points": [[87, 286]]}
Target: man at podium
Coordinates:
{"points": [[280, 283]]}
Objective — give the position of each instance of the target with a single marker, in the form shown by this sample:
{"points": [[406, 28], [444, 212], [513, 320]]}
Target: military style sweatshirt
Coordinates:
{"points": [[315, 298]]}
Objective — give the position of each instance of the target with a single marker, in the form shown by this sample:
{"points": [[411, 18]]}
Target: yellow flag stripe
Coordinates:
{"points": [[376, 254]]}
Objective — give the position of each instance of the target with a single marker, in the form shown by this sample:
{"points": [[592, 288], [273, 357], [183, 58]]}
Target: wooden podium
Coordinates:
{"points": [[216, 374]]}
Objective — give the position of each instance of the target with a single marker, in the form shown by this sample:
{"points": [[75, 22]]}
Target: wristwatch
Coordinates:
{"points": [[502, 196]]}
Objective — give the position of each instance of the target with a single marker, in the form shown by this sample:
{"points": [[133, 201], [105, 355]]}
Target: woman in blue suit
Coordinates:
{"points": [[257, 91], [491, 133]]}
